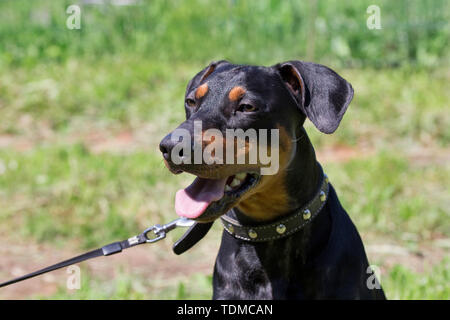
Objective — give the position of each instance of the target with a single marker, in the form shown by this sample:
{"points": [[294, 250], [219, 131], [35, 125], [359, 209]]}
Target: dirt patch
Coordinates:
{"points": [[343, 153], [417, 257], [146, 138], [17, 143], [98, 142], [424, 156]]}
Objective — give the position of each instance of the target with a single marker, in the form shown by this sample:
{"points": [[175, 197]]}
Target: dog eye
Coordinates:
{"points": [[190, 103], [247, 108]]}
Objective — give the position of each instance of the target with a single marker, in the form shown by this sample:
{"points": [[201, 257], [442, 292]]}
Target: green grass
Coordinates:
{"points": [[400, 283], [399, 105], [68, 192], [404, 284], [408, 106], [387, 194], [65, 192], [413, 32], [58, 194], [129, 287]]}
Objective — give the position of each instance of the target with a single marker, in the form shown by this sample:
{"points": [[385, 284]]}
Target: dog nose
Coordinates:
{"points": [[166, 145]]}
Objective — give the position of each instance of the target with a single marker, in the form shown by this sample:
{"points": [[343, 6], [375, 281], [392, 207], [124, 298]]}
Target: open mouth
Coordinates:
{"points": [[213, 194]]}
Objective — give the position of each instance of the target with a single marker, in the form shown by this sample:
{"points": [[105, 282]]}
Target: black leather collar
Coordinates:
{"points": [[283, 227]]}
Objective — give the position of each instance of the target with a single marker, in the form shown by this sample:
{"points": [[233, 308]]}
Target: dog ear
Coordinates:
{"points": [[202, 75], [321, 94]]}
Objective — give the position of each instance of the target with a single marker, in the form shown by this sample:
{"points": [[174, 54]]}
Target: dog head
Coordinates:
{"points": [[238, 117]]}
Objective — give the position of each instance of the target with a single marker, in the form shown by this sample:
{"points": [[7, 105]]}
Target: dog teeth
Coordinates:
{"points": [[235, 182], [241, 176]]}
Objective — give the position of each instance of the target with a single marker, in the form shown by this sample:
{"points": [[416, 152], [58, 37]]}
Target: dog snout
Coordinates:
{"points": [[166, 145]]}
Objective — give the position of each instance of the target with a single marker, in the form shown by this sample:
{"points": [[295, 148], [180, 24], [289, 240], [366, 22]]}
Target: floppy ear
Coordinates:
{"points": [[321, 94], [202, 75]]}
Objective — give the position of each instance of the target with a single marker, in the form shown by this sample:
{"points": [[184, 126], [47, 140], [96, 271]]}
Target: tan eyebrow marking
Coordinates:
{"points": [[236, 93], [201, 91]]}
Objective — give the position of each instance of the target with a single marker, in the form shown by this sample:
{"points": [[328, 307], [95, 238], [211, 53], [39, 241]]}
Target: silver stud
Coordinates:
{"points": [[230, 228], [326, 179], [281, 228], [252, 233], [306, 214], [323, 196]]}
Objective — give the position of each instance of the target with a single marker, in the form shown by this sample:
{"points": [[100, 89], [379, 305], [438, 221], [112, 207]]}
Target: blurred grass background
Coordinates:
{"points": [[83, 112]]}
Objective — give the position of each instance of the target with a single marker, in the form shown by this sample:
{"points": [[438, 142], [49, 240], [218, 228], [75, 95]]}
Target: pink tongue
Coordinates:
{"points": [[193, 201]]}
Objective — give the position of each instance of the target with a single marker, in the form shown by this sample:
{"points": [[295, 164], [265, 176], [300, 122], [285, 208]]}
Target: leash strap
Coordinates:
{"points": [[150, 235], [193, 235], [83, 257]]}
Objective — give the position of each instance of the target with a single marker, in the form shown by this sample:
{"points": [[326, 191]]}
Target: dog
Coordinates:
{"points": [[286, 235]]}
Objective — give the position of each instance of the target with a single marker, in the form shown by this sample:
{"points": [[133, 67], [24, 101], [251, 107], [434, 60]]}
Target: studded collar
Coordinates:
{"points": [[283, 227]]}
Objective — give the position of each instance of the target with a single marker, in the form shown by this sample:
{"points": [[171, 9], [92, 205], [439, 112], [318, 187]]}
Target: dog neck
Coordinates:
{"points": [[303, 173], [290, 189], [303, 178]]}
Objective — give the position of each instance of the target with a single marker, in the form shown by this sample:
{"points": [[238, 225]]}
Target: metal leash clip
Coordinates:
{"points": [[160, 231]]}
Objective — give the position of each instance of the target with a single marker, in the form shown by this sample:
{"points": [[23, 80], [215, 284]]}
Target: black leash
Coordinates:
{"points": [[157, 232]]}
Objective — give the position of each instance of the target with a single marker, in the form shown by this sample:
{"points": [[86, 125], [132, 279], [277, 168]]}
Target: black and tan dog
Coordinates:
{"points": [[286, 235]]}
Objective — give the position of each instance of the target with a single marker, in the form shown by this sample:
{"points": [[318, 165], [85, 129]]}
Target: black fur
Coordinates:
{"points": [[326, 259]]}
